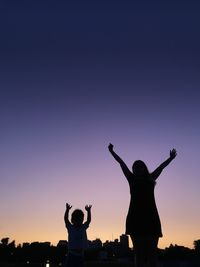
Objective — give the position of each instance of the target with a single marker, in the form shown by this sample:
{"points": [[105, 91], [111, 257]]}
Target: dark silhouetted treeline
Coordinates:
{"points": [[42, 252], [31, 252]]}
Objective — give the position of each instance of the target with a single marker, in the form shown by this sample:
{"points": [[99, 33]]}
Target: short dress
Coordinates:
{"points": [[142, 218]]}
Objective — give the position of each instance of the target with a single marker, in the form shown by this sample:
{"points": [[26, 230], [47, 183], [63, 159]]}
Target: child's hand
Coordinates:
{"points": [[68, 207], [88, 207]]}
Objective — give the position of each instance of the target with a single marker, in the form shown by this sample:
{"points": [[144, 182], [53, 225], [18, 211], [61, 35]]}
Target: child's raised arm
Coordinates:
{"points": [[66, 216], [88, 209], [155, 174], [124, 168]]}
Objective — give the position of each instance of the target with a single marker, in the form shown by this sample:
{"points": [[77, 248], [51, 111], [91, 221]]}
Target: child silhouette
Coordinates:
{"points": [[77, 235]]}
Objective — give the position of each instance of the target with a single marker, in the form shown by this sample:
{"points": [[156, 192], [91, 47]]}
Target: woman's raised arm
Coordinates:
{"points": [[125, 169], [155, 174]]}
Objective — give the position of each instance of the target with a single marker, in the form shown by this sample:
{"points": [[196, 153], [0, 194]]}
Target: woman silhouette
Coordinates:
{"points": [[143, 222]]}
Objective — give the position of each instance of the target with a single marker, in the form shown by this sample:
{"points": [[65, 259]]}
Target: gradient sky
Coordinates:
{"points": [[76, 75]]}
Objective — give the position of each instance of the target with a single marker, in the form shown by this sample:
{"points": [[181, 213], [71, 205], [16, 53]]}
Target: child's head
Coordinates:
{"points": [[77, 217]]}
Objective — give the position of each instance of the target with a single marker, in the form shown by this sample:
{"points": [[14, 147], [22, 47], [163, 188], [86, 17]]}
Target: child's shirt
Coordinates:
{"points": [[77, 236]]}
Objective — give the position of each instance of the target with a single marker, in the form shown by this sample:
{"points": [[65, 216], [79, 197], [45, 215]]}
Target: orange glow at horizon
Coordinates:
{"points": [[53, 232], [104, 236]]}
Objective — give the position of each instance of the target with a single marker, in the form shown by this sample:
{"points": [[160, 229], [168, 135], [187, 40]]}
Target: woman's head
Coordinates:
{"points": [[139, 168], [77, 217]]}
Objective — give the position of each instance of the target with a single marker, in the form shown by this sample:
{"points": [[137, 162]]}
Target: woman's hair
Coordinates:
{"points": [[77, 216], [138, 165], [140, 169]]}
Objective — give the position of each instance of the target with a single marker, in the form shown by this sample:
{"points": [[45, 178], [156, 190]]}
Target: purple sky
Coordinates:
{"points": [[75, 77]]}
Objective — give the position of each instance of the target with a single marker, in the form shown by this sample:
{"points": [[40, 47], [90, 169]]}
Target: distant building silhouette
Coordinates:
{"points": [[25, 245], [62, 243], [124, 242], [96, 244]]}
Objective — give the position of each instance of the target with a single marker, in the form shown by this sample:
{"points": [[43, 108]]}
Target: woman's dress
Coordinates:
{"points": [[142, 218]]}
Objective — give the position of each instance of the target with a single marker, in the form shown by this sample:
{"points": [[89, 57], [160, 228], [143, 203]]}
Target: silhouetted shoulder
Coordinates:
{"points": [[86, 225], [155, 174], [68, 225], [128, 174]]}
